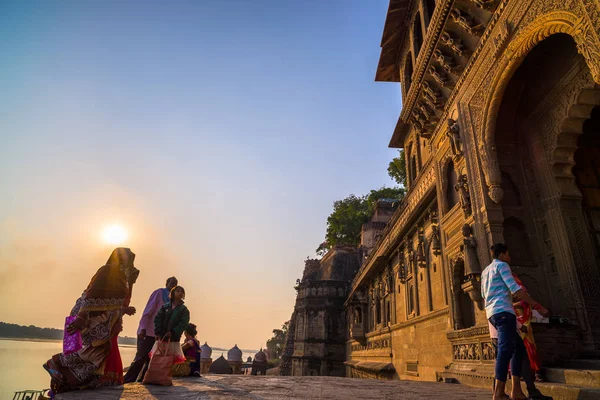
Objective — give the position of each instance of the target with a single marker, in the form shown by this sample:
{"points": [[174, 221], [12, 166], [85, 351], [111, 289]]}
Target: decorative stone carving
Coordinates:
{"points": [[488, 352], [455, 44], [453, 134], [482, 330], [446, 62], [421, 259], [418, 120], [466, 22], [402, 267], [474, 351], [472, 266], [500, 38], [440, 78], [433, 93], [491, 172], [436, 244], [427, 113], [485, 4], [468, 351], [587, 46], [462, 187]]}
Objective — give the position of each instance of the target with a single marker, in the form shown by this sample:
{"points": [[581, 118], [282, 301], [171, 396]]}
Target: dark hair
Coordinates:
{"points": [[172, 293], [498, 248], [171, 278], [191, 330]]}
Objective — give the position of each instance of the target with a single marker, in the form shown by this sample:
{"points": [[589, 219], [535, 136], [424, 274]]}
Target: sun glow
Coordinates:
{"points": [[114, 235]]}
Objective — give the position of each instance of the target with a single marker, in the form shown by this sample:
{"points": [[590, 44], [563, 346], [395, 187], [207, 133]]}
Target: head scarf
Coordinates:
{"points": [[112, 282]]}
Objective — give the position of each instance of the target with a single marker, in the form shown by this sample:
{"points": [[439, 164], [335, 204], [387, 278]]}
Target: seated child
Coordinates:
{"points": [[191, 351]]}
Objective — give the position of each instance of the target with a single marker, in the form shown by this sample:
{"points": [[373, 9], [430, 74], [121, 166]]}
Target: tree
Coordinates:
{"points": [[276, 344], [397, 168], [346, 220], [348, 216]]}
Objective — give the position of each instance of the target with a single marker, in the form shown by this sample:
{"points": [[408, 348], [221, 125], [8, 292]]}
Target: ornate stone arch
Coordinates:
{"points": [[588, 45]]}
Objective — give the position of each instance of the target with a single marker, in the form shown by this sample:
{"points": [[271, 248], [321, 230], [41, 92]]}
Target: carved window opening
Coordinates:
{"points": [[417, 35], [408, 73], [410, 304], [378, 312], [587, 174], [451, 180], [358, 315], [388, 312], [413, 168]]}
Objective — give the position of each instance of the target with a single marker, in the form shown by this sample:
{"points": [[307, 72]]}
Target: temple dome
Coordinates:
{"points": [[206, 351], [220, 366], [260, 356], [235, 354]]}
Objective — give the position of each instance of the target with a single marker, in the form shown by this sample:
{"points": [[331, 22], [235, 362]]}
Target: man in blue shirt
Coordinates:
{"points": [[497, 288]]}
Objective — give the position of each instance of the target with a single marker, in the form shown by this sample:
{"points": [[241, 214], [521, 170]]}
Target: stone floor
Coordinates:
{"points": [[275, 387]]}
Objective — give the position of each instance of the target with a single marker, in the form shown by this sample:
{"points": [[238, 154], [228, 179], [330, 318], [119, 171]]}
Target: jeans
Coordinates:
{"points": [[508, 350], [528, 375], [140, 361]]}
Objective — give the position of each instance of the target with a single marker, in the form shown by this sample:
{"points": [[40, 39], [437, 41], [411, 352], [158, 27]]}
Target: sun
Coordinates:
{"points": [[114, 235]]}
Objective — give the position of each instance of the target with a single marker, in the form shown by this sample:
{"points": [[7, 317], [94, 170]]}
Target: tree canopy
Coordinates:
{"points": [[345, 222], [276, 344], [397, 169]]}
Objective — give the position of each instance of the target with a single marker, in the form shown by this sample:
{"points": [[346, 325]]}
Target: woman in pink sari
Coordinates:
{"points": [[98, 317]]}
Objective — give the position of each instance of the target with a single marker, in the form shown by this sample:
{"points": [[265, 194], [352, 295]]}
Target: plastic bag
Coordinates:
{"points": [[159, 369], [71, 341]]}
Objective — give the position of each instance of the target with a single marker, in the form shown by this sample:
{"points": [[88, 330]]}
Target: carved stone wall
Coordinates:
{"points": [[520, 190]]}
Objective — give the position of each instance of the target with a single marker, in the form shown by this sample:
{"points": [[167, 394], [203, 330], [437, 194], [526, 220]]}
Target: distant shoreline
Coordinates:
{"points": [[127, 345], [49, 341], [31, 339]]}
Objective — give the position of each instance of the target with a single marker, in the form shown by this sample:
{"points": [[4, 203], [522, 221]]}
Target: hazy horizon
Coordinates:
{"points": [[217, 133]]}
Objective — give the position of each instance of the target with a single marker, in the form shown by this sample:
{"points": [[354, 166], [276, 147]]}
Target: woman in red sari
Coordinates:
{"points": [[524, 315], [99, 312]]}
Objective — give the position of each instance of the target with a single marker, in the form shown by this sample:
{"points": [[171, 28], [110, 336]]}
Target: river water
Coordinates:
{"points": [[21, 364]]}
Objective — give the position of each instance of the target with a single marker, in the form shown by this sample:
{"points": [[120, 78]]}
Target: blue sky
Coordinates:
{"points": [[218, 133]]}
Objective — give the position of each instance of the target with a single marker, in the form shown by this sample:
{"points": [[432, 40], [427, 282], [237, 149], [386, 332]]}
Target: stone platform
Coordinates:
{"points": [[276, 387]]}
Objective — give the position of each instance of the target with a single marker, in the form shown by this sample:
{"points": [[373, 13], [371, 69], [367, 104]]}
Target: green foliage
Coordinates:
{"points": [[345, 222], [397, 169], [276, 344]]}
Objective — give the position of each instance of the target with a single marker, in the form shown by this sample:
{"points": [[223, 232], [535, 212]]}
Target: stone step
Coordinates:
{"points": [[579, 377], [556, 390], [589, 96], [563, 391], [585, 364]]}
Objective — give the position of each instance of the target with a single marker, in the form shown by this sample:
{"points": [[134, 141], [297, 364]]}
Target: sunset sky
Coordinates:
{"points": [[217, 133]]}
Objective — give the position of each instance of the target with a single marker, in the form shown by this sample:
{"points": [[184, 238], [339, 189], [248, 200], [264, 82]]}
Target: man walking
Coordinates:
{"points": [[146, 339], [497, 288]]}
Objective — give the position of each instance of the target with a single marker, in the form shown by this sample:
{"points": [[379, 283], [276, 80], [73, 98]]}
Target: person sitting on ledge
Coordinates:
{"points": [[191, 351]]}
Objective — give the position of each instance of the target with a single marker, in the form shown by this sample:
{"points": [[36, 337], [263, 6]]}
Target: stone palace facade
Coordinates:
{"points": [[501, 130]]}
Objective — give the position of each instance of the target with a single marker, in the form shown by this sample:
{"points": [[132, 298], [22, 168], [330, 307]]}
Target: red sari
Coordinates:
{"points": [[113, 366], [524, 315]]}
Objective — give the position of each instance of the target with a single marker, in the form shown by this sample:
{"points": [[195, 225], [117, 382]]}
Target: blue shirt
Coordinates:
{"points": [[497, 287]]}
